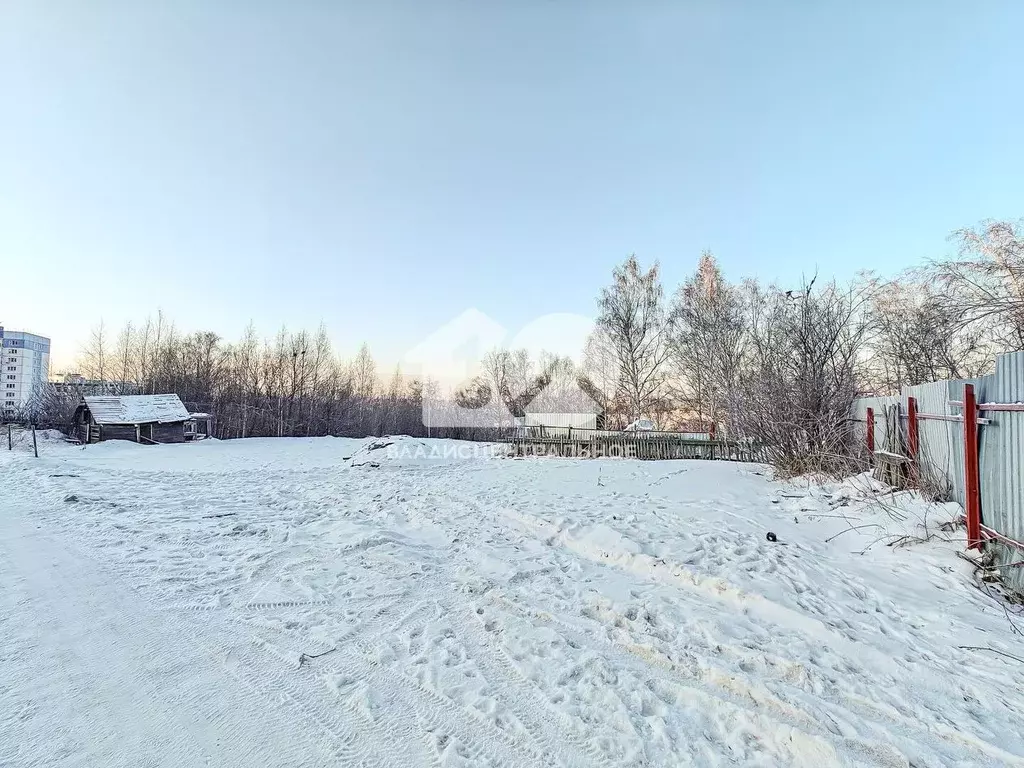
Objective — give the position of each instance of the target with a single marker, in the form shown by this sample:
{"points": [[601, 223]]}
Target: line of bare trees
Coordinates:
{"points": [[782, 364], [776, 364], [291, 385]]}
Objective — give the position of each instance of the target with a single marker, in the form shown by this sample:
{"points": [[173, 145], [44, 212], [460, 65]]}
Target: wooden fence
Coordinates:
{"points": [[592, 444]]}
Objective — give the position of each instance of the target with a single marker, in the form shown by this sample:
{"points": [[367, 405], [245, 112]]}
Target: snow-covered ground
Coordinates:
{"points": [[344, 602]]}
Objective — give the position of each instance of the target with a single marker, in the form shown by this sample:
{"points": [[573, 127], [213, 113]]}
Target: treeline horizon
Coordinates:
{"points": [[780, 364]]}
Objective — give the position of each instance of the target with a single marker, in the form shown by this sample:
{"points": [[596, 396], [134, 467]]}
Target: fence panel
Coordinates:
{"points": [[941, 442], [594, 443], [1002, 463], [1000, 450], [941, 458], [860, 415]]}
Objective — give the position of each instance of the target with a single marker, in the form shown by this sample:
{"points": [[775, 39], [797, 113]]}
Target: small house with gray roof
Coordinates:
{"points": [[147, 419]]}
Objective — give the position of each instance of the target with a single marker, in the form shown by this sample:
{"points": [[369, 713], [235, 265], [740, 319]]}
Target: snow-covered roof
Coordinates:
{"points": [[136, 409]]}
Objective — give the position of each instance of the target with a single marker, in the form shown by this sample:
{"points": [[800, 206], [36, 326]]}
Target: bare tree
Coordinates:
{"points": [[707, 329], [124, 353], [985, 282], [918, 336], [600, 377], [500, 377], [632, 317], [800, 378], [364, 373], [514, 379], [475, 394]]}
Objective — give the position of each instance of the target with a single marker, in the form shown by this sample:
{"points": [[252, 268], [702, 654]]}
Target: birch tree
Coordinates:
{"points": [[706, 334], [632, 316]]}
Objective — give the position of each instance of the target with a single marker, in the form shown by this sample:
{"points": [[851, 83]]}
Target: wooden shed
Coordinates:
{"points": [[150, 419]]}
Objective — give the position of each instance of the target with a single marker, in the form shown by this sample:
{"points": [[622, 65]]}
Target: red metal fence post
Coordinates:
{"points": [[972, 482], [871, 432], [913, 442]]}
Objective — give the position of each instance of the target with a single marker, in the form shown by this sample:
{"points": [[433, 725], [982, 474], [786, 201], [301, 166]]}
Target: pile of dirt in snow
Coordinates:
{"points": [[370, 452]]}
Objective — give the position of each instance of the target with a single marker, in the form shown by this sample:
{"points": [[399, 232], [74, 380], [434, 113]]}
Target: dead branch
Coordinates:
{"points": [[304, 657], [991, 650]]}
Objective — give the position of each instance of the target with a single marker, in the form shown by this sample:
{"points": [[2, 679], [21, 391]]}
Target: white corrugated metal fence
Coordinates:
{"points": [[1000, 449]]}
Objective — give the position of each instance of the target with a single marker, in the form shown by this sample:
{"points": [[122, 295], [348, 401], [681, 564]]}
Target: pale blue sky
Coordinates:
{"points": [[383, 166]]}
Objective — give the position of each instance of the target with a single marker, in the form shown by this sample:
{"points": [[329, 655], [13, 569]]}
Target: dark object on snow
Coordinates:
{"points": [[304, 657], [772, 537]]}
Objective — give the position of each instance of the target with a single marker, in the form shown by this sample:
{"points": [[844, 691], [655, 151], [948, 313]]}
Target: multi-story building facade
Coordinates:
{"points": [[24, 370], [77, 384]]}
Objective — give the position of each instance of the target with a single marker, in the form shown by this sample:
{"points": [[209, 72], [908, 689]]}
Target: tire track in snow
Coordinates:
{"points": [[252, 663], [407, 701], [869, 751], [792, 716], [718, 590], [650, 665], [526, 698], [441, 713], [458, 521], [261, 667], [159, 665], [519, 695]]}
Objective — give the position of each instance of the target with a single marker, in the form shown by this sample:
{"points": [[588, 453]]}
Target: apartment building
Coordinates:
{"points": [[24, 369]]}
